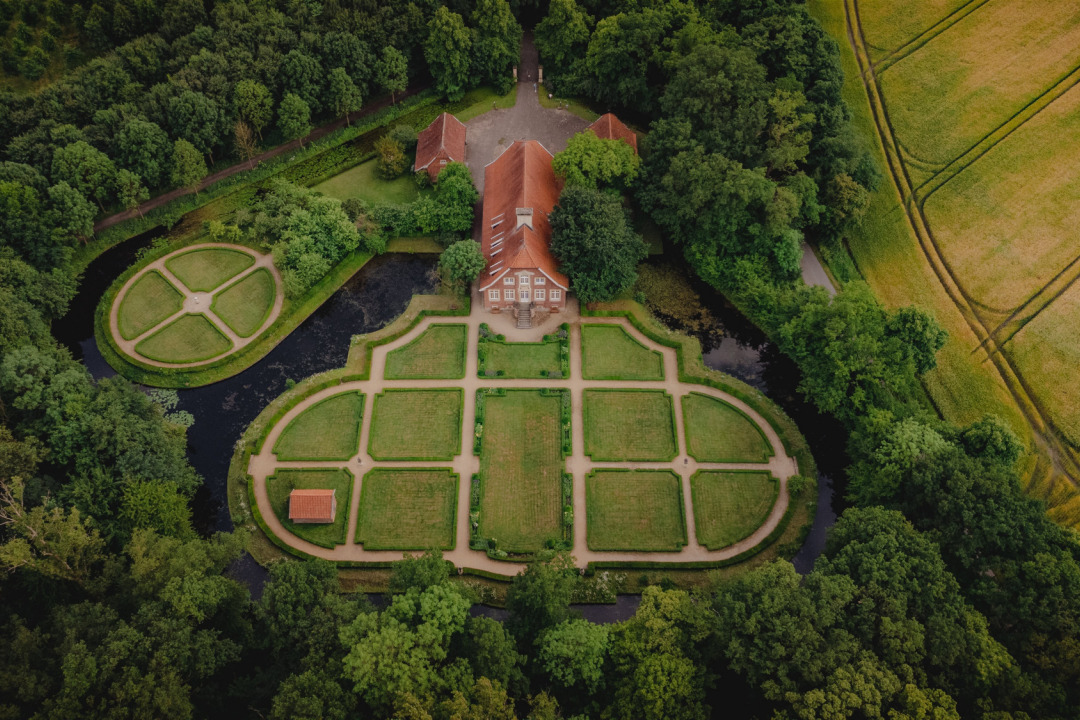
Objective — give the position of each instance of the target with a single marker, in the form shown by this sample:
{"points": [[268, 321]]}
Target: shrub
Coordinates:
{"points": [[391, 157]]}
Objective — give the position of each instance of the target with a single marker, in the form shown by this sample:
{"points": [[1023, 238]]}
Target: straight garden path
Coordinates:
{"points": [[264, 464], [196, 303]]}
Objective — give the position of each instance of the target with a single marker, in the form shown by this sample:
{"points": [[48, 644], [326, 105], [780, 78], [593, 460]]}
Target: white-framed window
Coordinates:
{"points": [[523, 280], [508, 280], [539, 294], [556, 295], [508, 294], [442, 162], [539, 280], [493, 295]]}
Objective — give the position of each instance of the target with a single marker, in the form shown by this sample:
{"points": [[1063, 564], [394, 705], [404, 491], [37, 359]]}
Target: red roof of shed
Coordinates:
{"points": [[311, 505], [447, 133], [519, 178], [609, 127]]}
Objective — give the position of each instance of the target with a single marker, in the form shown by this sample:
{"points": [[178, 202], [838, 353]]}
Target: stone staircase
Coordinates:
{"points": [[524, 317]]}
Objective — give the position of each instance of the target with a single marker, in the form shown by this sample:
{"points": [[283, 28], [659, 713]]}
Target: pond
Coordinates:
{"points": [[377, 294]]}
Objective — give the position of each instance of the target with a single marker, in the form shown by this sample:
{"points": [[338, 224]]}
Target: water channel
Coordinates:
{"points": [[377, 294]]}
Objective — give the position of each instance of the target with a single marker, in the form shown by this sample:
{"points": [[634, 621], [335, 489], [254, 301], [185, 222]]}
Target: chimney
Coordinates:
{"points": [[524, 217]]}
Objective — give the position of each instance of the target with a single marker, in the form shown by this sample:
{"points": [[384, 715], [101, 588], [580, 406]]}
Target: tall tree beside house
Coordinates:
{"points": [[448, 52], [462, 263], [392, 72], [592, 236], [498, 43], [596, 163]]}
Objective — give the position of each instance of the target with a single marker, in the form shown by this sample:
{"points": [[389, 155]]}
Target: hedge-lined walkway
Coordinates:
{"points": [[578, 464], [195, 304]]}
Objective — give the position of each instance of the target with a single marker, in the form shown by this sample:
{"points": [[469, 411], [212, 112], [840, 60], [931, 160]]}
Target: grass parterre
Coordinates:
{"points": [[407, 509]]}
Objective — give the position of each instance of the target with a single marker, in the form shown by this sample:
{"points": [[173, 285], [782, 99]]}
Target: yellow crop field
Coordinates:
{"points": [[1011, 221], [963, 83], [976, 121]]}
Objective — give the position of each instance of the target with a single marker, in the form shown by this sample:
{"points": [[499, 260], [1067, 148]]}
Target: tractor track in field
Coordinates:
{"points": [[907, 48], [1047, 435]]}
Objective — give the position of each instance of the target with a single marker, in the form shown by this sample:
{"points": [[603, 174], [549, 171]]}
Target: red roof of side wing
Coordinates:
{"points": [[519, 178], [311, 505], [447, 133], [609, 127]]}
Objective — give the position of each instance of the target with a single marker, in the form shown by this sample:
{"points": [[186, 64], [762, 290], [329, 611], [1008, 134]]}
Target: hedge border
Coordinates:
{"points": [[760, 432], [682, 510], [633, 339], [453, 507], [693, 497], [674, 425], [460, 392], [324, 458]]}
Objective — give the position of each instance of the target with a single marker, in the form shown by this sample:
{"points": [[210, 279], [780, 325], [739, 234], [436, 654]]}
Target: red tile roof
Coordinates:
{"points": [[609, 127], [317, 505], [446, 133], [519, 178]]}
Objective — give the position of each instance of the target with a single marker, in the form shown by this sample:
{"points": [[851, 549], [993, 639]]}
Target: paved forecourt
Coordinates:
{"points": [[578, 464], [196, 305]]}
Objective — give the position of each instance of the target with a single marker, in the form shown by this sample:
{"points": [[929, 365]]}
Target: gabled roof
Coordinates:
{"points": [[519, 178], [609, 127], [447, 133], [311, 505]]}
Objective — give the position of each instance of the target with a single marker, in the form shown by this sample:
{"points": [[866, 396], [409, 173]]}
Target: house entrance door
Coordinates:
{"points": [[525, 294]]}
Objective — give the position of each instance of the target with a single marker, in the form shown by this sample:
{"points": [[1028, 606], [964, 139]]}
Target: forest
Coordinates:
{"points": [[943, 591]]}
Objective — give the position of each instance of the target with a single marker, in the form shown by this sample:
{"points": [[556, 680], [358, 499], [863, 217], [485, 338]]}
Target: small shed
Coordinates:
{"points": [[312, 506], [609, 127], [441, 142]]}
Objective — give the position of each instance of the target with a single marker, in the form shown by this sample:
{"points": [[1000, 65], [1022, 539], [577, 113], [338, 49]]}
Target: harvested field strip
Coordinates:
{"points": [[408, 509], [245, 305], [718, 432], [437, 354], [635, 510], [189, 338], [521, 467], [1009, 223], [629, 425], [284, 481], [206, 269], [328, 430], [416, 425], [148, 302], [729, 506], [608, 352], [958, 87]]}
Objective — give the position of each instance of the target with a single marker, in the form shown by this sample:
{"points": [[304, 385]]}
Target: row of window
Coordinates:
{"points": [[509, 280], [512, 295]]}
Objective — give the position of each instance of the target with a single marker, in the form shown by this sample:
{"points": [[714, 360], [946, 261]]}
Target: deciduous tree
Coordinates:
{"points": [[188, 166], [448, 51]]}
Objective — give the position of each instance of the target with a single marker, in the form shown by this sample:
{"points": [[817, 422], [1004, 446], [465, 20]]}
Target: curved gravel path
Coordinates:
{"points": [[197, 303], [264, 464]]}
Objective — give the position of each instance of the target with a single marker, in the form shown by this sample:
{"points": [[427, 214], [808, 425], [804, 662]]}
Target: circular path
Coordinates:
{"points": [[465, 464], [196, 303]]}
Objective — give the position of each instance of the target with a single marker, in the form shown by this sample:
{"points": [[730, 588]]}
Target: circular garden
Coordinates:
{"points": [[196, 305]]}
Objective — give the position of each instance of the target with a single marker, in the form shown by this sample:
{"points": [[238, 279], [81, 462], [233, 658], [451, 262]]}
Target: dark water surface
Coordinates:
{"points": [[377, 294]]}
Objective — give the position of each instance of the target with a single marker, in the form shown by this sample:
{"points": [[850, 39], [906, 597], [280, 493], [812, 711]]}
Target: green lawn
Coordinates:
{"points": [[206, 269], [521, 467], [416, 425], [328, 430], [729, 506], [479, 101], [147, 302], [718, 432], [408, 509], [438, 354], [245, 306], [635, 510], [189, 338], [624, 425], [362, 181], [521, 360], [284, 481], [608, 352]]}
